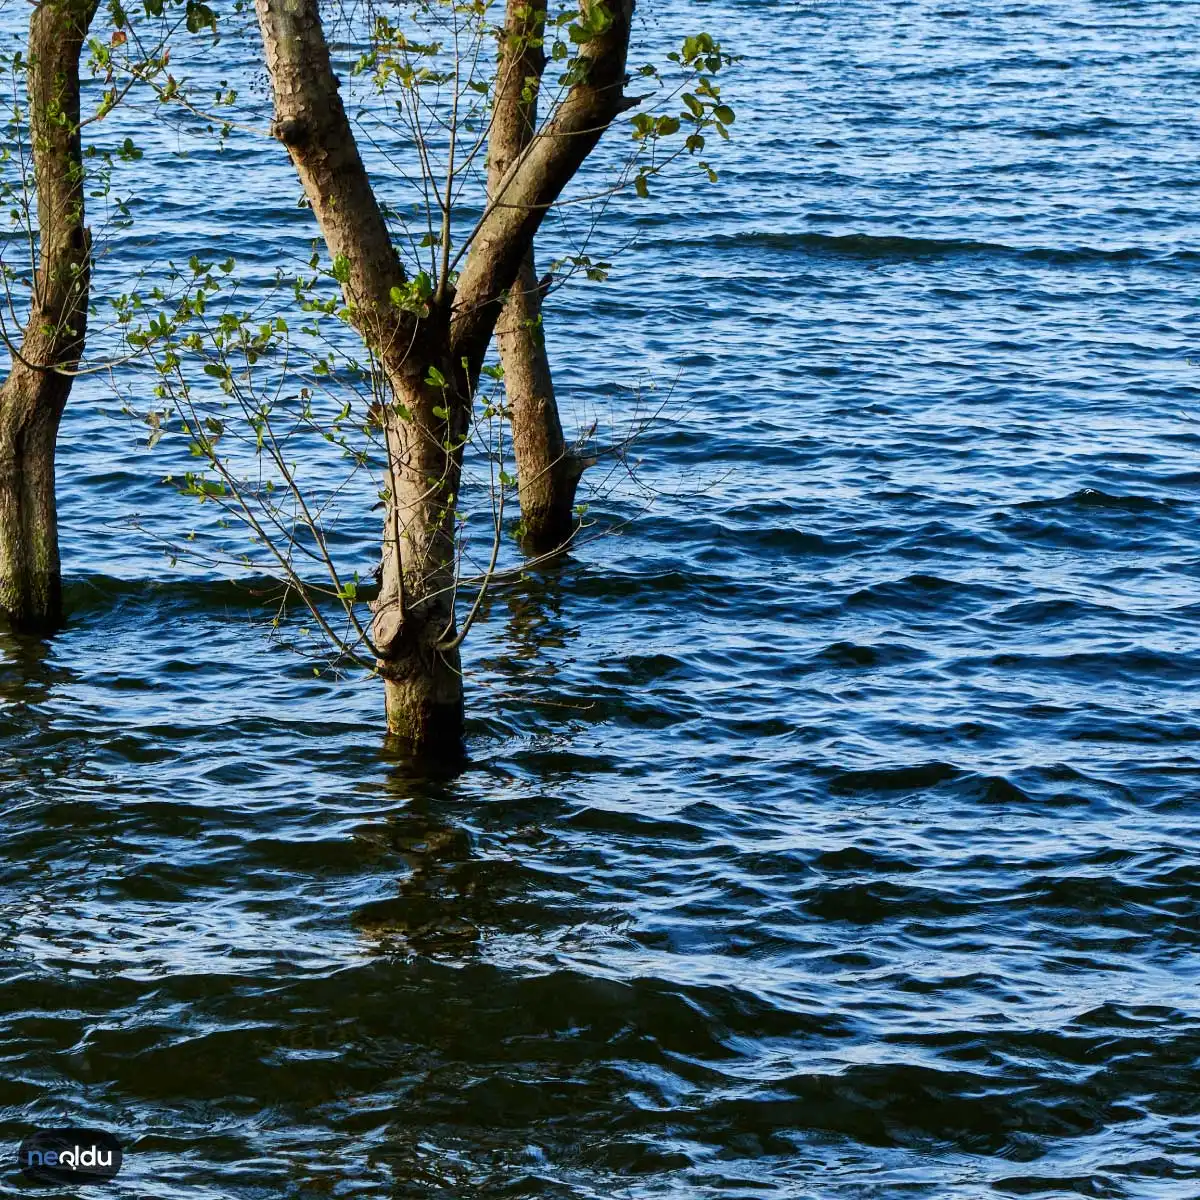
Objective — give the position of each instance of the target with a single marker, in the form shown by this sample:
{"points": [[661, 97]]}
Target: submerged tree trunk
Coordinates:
{"points": [[432, 362], [35, 393], [547, 472], [414, 626]]}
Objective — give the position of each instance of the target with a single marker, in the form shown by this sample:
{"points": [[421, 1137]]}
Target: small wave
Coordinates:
{"points": [[907, 1105], [1069, 130], [880, 901], [1093, 498], [1028, 613], [921, 592], [855, 859], [899, 247], [995, 789], [1057, 1185], [1104, 665], [850, 654], [895, 779]]}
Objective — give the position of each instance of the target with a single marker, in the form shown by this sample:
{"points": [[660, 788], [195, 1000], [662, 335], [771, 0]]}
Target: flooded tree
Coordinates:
{"points": [[44, 176], [424, 291], [35, 393], [430, 347]]}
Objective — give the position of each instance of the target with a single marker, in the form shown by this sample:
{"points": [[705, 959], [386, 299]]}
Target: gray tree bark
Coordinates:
{"points": [[547, 472], [34, 395], [414, 623]]}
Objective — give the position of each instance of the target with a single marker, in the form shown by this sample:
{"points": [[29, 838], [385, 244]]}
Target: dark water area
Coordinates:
{"points": [[830, 831]]}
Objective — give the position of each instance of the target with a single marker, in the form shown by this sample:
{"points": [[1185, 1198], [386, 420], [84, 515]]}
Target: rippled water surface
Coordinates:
{"points": [[830, 832]]}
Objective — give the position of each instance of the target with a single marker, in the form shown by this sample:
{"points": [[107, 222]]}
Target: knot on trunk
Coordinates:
{"points": [[388, 628], [292, 131]]}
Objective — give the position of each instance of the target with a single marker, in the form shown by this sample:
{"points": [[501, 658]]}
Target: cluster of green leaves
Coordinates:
{"points": [[197, 15], [16, 163], [594, 269], [132, 52], [590, 21], [200, 331], [414, 295], [395, 57], [704, 111]]}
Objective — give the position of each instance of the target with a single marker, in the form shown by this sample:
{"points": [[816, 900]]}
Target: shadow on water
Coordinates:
{"points": [[441, 896], [29, 671]]}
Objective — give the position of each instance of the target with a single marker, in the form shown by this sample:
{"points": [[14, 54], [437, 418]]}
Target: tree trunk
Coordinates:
{"points": [[35, 393], [414, 620], [414, 614], [520, 199], [547, 472]]}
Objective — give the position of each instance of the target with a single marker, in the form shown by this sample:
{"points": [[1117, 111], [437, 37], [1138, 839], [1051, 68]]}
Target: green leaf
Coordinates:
{"points": [[341, 269], [434, 378], [642, 124], [199, 16]]}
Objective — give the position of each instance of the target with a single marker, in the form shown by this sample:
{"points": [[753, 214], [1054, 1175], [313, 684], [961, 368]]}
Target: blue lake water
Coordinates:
{"points": [[830, 830]]}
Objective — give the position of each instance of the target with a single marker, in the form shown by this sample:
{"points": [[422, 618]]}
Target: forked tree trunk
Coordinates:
{"points": [[414, 623], [35, 393], [547, 472]]}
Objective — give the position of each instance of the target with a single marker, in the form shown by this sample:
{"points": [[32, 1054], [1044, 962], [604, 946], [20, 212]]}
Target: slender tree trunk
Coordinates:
{"points": [[35, 393], [547, 472], [521, 198]]}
